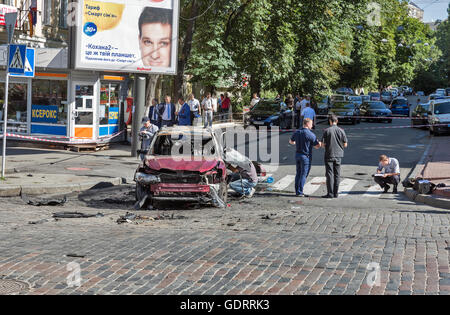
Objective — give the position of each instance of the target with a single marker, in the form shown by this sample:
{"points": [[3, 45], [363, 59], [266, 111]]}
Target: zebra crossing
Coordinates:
{"points": [[317, 186]]}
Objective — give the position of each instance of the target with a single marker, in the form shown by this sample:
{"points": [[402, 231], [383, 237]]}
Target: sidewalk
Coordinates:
{"points": [[435, 167]]}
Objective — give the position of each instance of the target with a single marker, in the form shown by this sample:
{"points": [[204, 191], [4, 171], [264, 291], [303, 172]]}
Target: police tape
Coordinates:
{"points": [[375, 128], [367, 117], [69, 141]]}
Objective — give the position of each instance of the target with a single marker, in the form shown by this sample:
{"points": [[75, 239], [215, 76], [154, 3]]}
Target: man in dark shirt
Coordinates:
{"points": [[304, 139], [335, 141]]}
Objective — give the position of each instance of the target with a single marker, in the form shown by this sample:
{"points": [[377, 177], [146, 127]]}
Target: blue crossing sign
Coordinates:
{"points": [[16, 62], [29, 64]]}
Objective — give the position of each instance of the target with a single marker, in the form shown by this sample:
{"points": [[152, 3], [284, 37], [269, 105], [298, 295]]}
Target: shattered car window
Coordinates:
{"points": [[184, 144]]}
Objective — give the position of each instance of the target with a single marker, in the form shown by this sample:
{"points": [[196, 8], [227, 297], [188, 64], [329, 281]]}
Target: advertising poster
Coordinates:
{"points": [[128, 35]]}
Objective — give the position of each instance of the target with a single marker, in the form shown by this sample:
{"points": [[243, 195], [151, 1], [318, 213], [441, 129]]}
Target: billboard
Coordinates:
{"points": [[135, 36]]}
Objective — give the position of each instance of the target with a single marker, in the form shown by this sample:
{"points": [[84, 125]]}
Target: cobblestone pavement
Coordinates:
{"points": [[271, 244]]}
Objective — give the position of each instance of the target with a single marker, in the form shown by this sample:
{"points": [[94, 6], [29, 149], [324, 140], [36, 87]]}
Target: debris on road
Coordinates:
{"points": [[44, 202], [76, 215], [133, 218], [75, 256]]}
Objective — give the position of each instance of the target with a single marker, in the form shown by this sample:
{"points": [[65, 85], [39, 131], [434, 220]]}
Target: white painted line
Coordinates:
{"points": [[374, 192], [346, 186], [314, 185], [284, 183]]}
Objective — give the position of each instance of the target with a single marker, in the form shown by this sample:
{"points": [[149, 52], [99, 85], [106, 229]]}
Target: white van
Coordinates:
{"points": [[439, 116]]}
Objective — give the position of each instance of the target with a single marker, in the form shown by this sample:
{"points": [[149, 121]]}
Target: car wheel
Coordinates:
{"points": [[141, 192], [223, 192]]}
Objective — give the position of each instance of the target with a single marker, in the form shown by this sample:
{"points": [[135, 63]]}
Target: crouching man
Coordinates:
{"points": [[243, 180], [388, 173]]}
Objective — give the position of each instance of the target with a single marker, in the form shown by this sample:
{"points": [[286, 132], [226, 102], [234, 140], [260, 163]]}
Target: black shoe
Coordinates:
{"points": [[386, 189], [336, 196], [395, 191], [327, 197]]}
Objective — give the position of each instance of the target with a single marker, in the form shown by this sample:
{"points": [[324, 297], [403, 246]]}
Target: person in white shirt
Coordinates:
{"points": [[194, 105], [207, 106], [255, 100]]}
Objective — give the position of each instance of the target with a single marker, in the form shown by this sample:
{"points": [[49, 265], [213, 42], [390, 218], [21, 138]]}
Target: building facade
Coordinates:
{"points": [[415, 11], [58, 102]]}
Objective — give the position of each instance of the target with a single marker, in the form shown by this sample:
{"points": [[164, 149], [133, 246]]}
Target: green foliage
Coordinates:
{"points": [[311, 47]]}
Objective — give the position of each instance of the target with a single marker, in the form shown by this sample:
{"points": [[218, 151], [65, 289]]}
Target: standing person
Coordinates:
{"points": [[184, 115], [194, 105], [255, 100], [147, 133], [309, 113], [390, 169], [298, 112], [335, 141], [167, 112], [153, 113], [208, 108], [226, 105], [304, 139]]}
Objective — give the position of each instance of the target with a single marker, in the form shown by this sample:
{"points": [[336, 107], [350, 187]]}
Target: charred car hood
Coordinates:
{"points": [[192, 165]]}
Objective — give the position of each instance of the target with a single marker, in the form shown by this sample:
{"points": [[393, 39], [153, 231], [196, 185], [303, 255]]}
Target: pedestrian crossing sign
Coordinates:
{"points": [[29, 64], [16, 62]]}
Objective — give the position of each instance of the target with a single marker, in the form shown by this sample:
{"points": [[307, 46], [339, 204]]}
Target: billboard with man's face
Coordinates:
{"points": [[127, 35]]}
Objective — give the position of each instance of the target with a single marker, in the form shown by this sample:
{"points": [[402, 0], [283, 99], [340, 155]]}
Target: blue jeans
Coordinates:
{"points": [[244, 187], [303, 169]]}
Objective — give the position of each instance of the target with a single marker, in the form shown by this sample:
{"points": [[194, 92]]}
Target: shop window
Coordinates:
{"points": [[49, 96], [17, 107], [109, 104]]}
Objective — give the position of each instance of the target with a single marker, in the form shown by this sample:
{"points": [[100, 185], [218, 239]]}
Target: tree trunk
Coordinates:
{"points": [[186, 52], [151, 91]]}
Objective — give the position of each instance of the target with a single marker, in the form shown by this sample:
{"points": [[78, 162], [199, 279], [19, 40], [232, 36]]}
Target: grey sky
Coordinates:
{"points": [[434, 9]]}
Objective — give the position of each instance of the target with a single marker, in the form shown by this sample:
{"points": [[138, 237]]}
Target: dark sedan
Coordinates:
{"points": [[419, 116], [377, 110], [346, 112], [270, 113]]}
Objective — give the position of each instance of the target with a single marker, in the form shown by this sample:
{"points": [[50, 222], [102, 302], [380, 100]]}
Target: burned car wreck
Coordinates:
{"points": [[183, 164], [189, 165]]}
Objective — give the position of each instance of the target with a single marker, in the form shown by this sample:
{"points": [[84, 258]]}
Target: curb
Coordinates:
{"points": [[16, 191], [430, 200]]}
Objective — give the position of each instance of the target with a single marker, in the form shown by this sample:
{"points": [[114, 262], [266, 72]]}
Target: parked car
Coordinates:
{"points": [[394, 92], [347, 112], [338, 98], [323, 106], [345, 91], [447, 91], [439, 116], [271, 113], [400, 106], [365, 98], [433, 97], [357, 100], [199, 175], [419, 117], [440, 92], [375, 96], [386, 97], [377, 110]]}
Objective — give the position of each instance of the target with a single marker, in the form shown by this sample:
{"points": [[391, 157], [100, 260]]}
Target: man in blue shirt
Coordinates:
{"points": [[304, 139], [310, 113]]}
